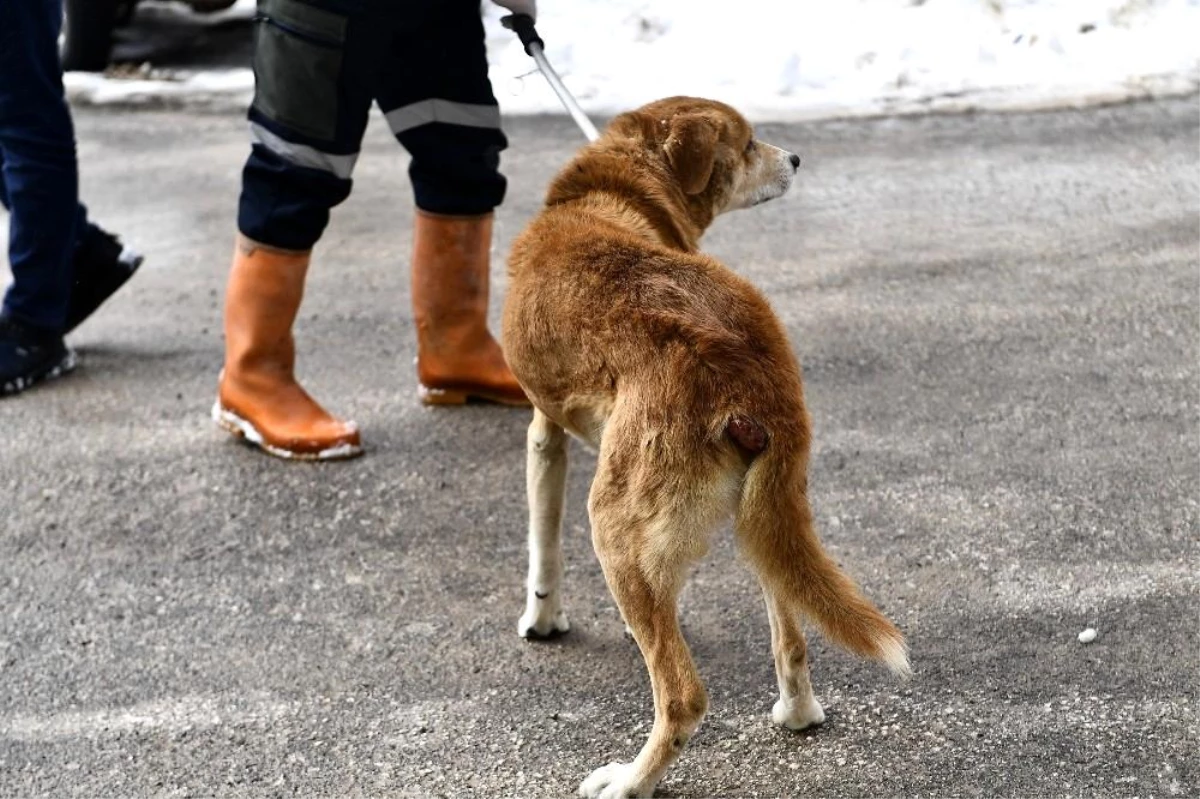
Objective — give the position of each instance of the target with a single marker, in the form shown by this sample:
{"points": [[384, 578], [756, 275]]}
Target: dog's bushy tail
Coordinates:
{"points": [[775, 529]]}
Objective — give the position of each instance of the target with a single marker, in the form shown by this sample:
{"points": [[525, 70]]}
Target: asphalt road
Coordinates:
{"points": [[999, 320]]}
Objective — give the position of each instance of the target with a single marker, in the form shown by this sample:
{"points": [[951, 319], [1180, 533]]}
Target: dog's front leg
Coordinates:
{"points": [[545, 484], [679, 697]]}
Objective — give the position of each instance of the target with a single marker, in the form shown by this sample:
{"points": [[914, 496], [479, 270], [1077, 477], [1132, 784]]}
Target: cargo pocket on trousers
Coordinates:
{"points": [[298, 65]]}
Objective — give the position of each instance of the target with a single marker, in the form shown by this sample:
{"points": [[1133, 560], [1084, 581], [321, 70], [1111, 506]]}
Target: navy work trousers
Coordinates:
{"points": [[320, 64], [39, 179]]}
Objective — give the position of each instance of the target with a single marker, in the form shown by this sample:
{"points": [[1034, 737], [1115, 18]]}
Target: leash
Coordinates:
{"points": [[522, 25]]}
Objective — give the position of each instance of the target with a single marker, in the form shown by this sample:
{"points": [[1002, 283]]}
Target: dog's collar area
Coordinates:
{"points": [[666, 226]]}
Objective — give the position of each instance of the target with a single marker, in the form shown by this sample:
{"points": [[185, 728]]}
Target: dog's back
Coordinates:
{"points": [[594, 310]]}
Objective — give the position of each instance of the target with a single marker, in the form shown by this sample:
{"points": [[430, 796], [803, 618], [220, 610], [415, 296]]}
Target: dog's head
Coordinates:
{"points": [[679, 162], [710, 151]]}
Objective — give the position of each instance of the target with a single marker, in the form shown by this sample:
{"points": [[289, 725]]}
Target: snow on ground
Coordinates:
{"points": [[148, 86], [790, 59], [171, 32]]}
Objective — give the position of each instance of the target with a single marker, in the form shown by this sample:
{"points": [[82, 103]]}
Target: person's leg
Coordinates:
{"points": [[40, 173], [41, 184], [101, 264], [314, 67], [435, 93]]}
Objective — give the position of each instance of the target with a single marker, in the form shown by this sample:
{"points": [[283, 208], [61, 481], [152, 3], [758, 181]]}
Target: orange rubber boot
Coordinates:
{"points": [[258, 398], [457, 357]]}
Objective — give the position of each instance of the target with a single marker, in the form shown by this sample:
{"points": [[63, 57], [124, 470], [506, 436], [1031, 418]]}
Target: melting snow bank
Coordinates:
{"points": [[802, 59], [222, 89], [784, 59]]}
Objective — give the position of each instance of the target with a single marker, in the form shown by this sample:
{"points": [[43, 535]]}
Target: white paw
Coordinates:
{"points": [[796, 714], [614, 781], [543, 618]]}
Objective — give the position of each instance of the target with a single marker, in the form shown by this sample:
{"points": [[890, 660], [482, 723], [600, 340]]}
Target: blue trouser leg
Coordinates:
{"points": [[84, 227], [37, 163]]}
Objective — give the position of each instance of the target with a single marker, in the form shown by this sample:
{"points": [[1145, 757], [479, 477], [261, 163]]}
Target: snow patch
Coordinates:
{"points": [[786, 59], [228, 86], [789, 59]]}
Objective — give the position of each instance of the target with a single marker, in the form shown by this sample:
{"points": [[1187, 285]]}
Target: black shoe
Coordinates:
{"points": [[101, 266], [28, 356]]}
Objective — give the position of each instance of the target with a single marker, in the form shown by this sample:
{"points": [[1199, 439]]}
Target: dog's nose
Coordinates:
{"points": [[795, 159]]}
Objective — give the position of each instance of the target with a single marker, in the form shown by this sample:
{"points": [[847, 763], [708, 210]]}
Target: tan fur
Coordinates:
{"points": [[675, 368]]}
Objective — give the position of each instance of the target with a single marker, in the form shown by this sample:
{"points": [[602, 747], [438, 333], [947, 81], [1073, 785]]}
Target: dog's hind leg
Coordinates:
{"points": [[679, 697], [545, 484], [797, 708], [775, 531], [646, 535]]}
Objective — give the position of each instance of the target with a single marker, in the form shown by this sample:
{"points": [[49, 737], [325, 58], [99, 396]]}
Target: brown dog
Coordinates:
{"points": [[676, 369]]}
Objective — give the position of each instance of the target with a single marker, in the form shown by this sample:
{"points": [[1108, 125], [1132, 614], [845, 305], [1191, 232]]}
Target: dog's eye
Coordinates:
{"points": [[751, 146]]}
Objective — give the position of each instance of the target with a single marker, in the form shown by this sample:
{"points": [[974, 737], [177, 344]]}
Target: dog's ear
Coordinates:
{"points": [[691, 149]]}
